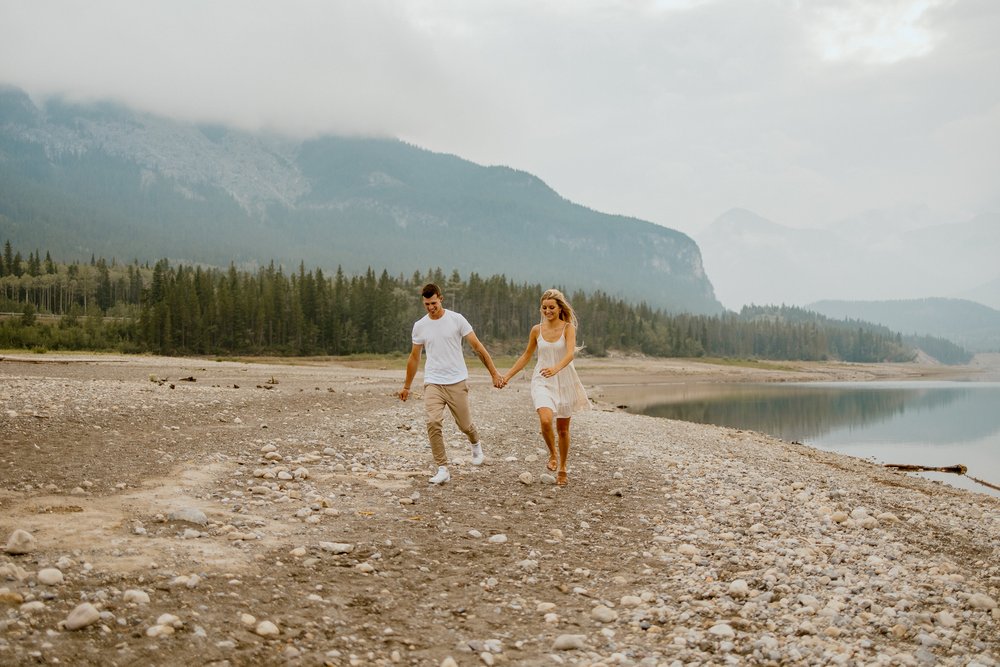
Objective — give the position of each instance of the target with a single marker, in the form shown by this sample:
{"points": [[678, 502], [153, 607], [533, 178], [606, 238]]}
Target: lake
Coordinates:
{"points": [[915, 423]]}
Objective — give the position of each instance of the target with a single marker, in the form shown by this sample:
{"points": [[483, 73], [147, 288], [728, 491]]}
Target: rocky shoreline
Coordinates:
{"points": [[185, 510]]}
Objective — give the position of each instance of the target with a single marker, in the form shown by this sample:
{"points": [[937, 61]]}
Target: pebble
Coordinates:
{"points": [[50, 576], [337, 547], [603, 614], [499, 538], [722, 630], [135, 596], [20, 542], [267, 629], [189, 514], [83, 615], [739, 588], [569, 642], [982, 601]]}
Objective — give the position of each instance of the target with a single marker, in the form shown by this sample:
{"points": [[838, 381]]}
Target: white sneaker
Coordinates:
{"points": [[477, 454], [441, 477]]}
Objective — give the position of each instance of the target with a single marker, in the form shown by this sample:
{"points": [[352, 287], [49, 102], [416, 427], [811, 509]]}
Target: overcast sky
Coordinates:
{"points": [[673, 111]]}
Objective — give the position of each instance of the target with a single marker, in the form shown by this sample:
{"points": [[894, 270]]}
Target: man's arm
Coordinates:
{"points": [[484, 357], [411, 370]]}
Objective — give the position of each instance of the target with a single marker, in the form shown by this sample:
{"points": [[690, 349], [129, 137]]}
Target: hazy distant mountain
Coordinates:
{"points": [[100, 179], [988, 293], [972, 325], [875, 256]]}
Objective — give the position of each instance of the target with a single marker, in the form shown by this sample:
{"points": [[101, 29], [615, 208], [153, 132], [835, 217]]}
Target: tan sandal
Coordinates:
{"points": [[561, 479], [552, 465]]}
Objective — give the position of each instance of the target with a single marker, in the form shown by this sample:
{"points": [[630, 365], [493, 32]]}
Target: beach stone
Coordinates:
{"points": [[687, 550], [160, 631], [169, 619], [135, 596], [13, 572], [981, 601], [32, 607], [568, 643], [50, 576], [630, 601], [945, 619], [337, 547], [83, 615], [499, 538], [267, 629], [20, 542], [722, 630], [189, 514], [739, 588], [526, 478], [603, 614], [8, 596]]}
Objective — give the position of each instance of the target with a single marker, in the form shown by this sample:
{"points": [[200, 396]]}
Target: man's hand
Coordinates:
{"points": [[403, 394], [498, 381]]}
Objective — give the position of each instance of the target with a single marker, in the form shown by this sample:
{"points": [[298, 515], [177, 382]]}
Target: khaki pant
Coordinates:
{"points": [[456, 398]]}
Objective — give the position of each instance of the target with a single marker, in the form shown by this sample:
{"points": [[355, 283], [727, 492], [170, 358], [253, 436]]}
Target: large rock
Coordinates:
{"points": [[20, 542]]}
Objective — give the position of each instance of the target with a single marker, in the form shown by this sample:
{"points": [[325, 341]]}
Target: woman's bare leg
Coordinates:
{"points": [[562, 428], [549, 435]]}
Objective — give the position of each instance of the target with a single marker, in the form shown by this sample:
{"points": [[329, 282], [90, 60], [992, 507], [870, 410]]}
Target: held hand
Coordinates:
{"points": [[498, 381]]}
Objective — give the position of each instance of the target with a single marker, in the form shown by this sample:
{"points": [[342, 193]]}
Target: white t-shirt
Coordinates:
{"points": [[442, 340]]}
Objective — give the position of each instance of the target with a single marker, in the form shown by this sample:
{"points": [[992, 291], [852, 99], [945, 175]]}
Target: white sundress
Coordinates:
{"points": [[563, 393]]}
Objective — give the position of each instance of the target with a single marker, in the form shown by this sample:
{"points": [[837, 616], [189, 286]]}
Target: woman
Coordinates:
{"points": [[556, 390]]}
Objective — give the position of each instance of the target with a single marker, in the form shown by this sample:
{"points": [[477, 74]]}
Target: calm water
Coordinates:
{"points": [[919, 423]]}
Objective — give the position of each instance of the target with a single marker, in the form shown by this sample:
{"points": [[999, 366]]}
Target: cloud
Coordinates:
{"points": [[669, 110]]}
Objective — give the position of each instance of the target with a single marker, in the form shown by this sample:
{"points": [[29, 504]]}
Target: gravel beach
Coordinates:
{"points": [[163, 511]]}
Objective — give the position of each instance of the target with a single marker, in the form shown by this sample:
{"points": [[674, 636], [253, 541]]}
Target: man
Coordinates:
{"points": [[441, 332]]}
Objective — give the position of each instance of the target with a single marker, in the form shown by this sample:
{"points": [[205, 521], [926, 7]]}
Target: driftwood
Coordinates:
{"points": [[958, 469], [984, 483]]}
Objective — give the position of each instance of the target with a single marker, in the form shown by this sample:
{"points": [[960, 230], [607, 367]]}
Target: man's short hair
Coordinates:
{"points": [[429, 290]]}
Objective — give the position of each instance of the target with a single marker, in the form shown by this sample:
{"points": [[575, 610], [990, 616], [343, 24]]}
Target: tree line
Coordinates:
{"points": [[195, 310]]}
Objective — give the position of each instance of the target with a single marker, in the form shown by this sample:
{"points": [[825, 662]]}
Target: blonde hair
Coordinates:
{"points": [[566, 313]]}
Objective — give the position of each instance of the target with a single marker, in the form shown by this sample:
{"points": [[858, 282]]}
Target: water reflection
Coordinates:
{"points": [[922, 423]]}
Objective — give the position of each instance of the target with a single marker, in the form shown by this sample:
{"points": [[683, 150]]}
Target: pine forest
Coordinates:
{"points": [[194, 310]]}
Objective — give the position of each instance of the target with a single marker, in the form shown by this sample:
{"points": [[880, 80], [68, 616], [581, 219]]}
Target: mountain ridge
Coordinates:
{"points": [[102, 179]]}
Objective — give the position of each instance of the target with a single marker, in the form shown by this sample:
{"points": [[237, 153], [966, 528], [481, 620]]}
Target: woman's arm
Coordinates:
{"points": [[525, 357]]}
